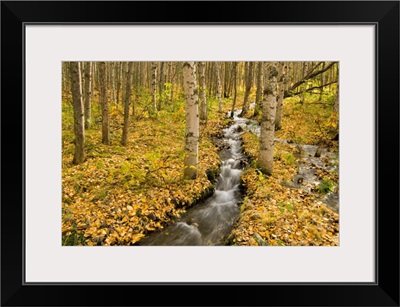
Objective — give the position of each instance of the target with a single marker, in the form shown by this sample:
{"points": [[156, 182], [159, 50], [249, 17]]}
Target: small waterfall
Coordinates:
{"points": [[209, 222]]}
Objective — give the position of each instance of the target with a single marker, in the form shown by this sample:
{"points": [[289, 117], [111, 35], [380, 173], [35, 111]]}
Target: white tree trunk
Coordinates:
{"points": [[248, 78], [218, 87], [88, 108], [336, 105], [192, 120], [202, 96], [259, 95], [154, 85], [127, 96], [104, 104], [266, 154], [76, 89], [281, 93]]}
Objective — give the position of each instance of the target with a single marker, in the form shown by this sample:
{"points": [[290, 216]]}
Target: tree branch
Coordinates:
{"points": [[311, 75], [289, 93]]}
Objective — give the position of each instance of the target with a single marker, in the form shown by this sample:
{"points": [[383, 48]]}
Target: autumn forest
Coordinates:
{"points": [[200, 153]]}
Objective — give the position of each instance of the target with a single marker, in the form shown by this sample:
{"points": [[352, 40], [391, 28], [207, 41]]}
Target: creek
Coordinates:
{"points": [[210, 221]]}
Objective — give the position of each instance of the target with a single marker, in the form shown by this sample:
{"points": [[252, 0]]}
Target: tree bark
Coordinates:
{"points": [[154, 85], [88, 106], [161, 86], [104, 104], [257, 107], [249, 84], [280, 96], [202, 96], [127, 97], [266, 154], [112, 82], [234, 88], [118, 83], [79, 130], [192, 120], [218, 87], [336, 105]]}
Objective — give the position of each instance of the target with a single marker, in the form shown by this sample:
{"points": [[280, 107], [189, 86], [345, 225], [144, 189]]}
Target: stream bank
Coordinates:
{"points": [[298, 205], [210, 221]]}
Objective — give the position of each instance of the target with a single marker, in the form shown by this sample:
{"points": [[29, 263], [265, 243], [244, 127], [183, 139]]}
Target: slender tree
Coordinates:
{"points": [[265, 158], [88, 104], [260, 69], [192, 120], [336, 105], [280, 96], [118, 68], [79, 130], [112, 81], [104, 104], [248, 83], [202, 95], [154, 85], [127, 96], [218, 86], [161, 86], [234, 88]]}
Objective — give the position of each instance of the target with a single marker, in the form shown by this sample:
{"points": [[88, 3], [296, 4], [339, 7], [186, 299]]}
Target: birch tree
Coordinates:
{"points": [[202, 95], [76, 90], [218, 87], [260, 69], [104, 104], [127, 96], [336, 105], [192, 120], [234, 88], [280, 95], [154, 85], [88, 107], [248, 83], [265, 158]]}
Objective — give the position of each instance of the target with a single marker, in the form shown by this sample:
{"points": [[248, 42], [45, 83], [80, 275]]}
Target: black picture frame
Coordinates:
{"points": [[383, 14]]}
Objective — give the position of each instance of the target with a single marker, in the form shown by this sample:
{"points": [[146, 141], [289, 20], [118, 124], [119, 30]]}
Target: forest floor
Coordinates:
{"points": [[121, 193]]}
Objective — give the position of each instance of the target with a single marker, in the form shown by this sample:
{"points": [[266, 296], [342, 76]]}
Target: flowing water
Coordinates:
{"points": [[308, 166], [209, 222]]}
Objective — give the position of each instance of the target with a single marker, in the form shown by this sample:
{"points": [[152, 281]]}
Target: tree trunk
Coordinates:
{"points": [[336, 105], [154, 85], [104, 104], [127, 97], [88, 106], [79, 130], [192, 120], [161, 86], [249, 84], [226, 79], [218, 87], [234, 88], [257, 107], [112, 82], [202, 96], [281, 93], [266, 154], [118, 83]]}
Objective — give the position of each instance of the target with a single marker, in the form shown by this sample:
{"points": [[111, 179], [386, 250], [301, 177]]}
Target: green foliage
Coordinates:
{"points": [[326, 186], [73, 238], [289, 158]]}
